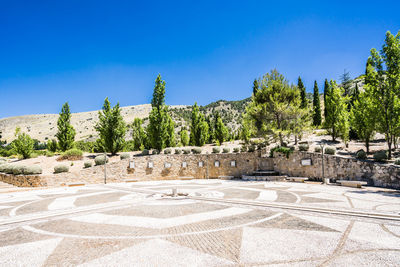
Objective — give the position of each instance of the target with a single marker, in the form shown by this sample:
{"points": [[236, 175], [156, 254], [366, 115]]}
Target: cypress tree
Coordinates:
{"points": [[255, 86], [302, 89], [326, 92], [316, 106], [221, 132], [198, 128], [66, 133]]}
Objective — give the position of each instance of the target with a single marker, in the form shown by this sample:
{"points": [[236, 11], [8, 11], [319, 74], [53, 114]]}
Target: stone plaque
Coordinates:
{"points": [[216, 163], [167, 165], [306, 162], [184, 164], [131, 164], [233, 163], [201, 164], [150, 165]]}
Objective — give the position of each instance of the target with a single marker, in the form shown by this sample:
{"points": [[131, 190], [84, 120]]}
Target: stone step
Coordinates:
{"points": [[265, 173], [264, 178]]}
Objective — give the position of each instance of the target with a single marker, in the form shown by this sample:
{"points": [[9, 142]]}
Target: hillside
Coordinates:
{"points": [[44, 126]]}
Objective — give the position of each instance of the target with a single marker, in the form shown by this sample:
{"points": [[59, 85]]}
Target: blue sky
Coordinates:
{"points": [[82, 51]]}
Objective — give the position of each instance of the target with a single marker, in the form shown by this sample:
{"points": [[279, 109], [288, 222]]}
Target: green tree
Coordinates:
{"points": [[363, 117], [272, 109], [111, 128], [346, 82], [245, 130], [317, 119], [221, 132], [302, 89], [138, 134], [184, 137], [198, 128], [161, 128], [300, 122], [383, 79], [337, 121], [255, 86], [23, 144], [326, 91], [66, 133]]}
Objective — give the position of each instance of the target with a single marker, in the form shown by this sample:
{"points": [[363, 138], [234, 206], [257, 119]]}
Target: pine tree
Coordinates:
{"points": [[346, 83], [111, 128], [303, 96], [66, 133], [198, 128], [326, 91], [337, 121], [161, 128], [317, 120]]}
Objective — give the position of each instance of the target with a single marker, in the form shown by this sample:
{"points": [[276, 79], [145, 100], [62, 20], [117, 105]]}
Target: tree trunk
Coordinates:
{"points": [[281, 138], [295, 139], [367, 144], [390, 147]]}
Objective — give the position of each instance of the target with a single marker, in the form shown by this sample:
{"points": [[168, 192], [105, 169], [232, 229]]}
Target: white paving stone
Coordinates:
{"points": [[335, 224], [157, 252], [68, 202], [368, 258], [267, 195], [28, 254]]}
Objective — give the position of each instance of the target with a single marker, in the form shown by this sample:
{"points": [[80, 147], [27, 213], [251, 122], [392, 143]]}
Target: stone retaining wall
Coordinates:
{"points": [[23, 180], [336, 167]]}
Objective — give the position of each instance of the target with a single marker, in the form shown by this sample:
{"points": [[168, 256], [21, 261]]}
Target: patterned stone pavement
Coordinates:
{"points": [[137, 224]]}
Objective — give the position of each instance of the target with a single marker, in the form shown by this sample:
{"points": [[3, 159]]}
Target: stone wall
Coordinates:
{"points": [[336, 168], [23, 180]]}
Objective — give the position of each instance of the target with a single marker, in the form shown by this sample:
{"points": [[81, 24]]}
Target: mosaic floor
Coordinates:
{"points": [[135, 224]]}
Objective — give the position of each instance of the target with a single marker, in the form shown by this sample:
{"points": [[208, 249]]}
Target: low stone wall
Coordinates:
{"points": [[23, 180], [336, 167]]}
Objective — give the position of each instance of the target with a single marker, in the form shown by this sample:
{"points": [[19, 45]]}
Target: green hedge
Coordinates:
{"points": [[285, 150], [61, 168], [100, 160]]}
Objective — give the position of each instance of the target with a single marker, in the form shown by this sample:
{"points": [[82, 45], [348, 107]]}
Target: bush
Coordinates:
{"points": [[167, 151], [49, 154], [124, 156], [360, 154], [145, 152], [317, 149], [330, 150], [285, 150], [23, 144], [303, 147], [216, 150], [397, 162], [72, 154], [196, 150], [186, 151], [236, 150], [3, 167], [100, 160], [52, 145], [178, 151], [226, 150], [87, 164], [380, 156], [31, 170], [61, 168], [243, 149], [18, 169], [252, 148], [155, 152], [8, 168]]}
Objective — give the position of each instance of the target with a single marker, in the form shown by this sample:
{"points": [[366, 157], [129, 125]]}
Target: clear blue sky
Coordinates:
{"points": [[82, 51]]}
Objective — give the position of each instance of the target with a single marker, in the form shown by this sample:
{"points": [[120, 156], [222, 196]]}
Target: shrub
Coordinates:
{"points": [[49, 154], [243, 149], [196, 150], [61, 168], [186, 151], [3, 167], [281, 149], [330, 150], [23, 144], [397, 162], [71, 154], [360, 154], [52, 145], [100, 160], [236, 150], [87, 164], [34, 169], [145, 152], [167, 151], [303, 147], [317, 149], [8, 168], [226, 150], [216, 150], [178, 151], [155, 152], [2, 161], [380, 156], [124, 156], [18, 169], [252, 148]]}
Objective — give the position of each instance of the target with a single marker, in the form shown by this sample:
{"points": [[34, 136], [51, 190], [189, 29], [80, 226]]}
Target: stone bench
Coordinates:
{"points": [[226, 177], [349, 183], [186, 178], [130, 180], [297, 179], [75, 184]]}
